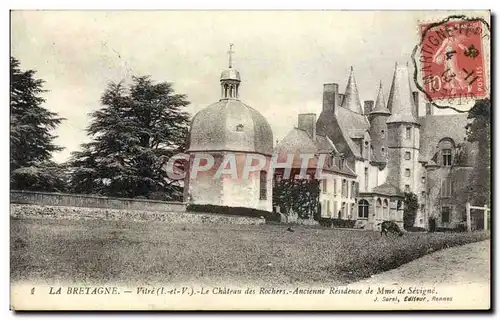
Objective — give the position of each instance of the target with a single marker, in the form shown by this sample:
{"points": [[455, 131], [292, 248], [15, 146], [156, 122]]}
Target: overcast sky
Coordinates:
{"points": [[283, 57]]}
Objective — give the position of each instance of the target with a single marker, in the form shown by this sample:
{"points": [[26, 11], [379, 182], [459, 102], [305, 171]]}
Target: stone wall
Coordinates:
{"points": [[82, 213], [90, 201]]}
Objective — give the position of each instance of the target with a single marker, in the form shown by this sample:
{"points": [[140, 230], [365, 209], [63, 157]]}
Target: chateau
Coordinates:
{"points": [[377, 151]]}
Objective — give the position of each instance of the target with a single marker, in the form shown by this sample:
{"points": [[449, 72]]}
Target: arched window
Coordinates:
{"points": [[378, 209], [363, 209], [239, 127], [386, 209], [225, 90]]}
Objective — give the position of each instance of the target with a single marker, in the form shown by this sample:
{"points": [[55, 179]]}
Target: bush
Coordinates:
{"points": [[337, 223], [235, 211], [415, 229]]}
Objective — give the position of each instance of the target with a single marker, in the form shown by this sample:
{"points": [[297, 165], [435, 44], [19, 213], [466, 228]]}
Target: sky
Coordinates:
{"points": [[284, 57]]}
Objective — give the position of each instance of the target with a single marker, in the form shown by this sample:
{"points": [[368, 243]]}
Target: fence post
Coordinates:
{"points": [[467, 211], [486, 217]]}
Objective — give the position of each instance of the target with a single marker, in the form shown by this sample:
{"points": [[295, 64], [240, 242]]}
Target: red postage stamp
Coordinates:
{"points": [[452, 59]]}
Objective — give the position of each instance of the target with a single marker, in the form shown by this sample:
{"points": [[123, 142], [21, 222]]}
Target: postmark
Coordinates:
{"points": [[450, 60]]}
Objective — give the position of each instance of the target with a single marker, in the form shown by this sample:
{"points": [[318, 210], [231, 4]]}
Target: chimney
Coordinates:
{"points": [[341, 99], [330, 92], [429, 109], [368, 106], [307, 123], [415, 99]]}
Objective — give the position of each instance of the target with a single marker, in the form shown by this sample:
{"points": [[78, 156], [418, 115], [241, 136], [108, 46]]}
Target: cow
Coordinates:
{"points": [[390, 226]]}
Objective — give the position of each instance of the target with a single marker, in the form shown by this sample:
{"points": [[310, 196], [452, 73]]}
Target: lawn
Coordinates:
{"points": [[98, 252]]}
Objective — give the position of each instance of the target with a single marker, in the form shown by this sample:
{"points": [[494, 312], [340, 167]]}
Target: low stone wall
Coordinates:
{"points": [[91, 201], [81, 213]]}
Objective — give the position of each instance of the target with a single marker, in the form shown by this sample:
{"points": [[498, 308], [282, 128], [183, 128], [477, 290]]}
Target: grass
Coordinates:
{"points": [[98, 252]]}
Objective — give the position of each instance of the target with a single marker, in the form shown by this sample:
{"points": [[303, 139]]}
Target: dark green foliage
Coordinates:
{"points": [[410, 209], [133, 135], [479, 131], [31, 133], [237, 211], [299, 195], [337, 223]]}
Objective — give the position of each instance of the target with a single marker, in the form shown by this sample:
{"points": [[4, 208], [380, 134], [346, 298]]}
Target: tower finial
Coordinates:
{"points": [[230, 53]]}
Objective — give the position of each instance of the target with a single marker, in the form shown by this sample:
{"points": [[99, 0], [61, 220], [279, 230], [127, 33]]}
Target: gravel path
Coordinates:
{"points": [[467, 264]]}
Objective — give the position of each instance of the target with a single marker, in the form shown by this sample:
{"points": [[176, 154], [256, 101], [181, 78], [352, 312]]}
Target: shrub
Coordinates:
{"points": [[415, 229], [236, 211]]}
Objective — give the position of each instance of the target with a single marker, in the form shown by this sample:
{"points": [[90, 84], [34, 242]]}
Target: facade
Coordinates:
{"points": [[229, 131], [375, 153], [393, 150]]}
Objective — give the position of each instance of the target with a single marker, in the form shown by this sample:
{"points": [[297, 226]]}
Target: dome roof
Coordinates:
{"points": [[230, 125], [230, 74]]}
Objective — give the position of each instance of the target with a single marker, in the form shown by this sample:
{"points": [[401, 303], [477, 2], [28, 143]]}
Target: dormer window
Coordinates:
{"points": [[341, 163], [239, 128]]}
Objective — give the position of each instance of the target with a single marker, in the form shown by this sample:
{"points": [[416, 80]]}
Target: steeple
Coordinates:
{"points": [[230, 79], [351, 99], [380, 105], [401, 103]]}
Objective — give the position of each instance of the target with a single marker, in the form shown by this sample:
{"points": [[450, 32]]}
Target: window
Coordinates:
{"points": [[331, 161], [334, 186], [382, 133], [386, 209], [423, 179], [353, 188], [263, 185], [366, 179], [446, 157], [343, 211], [445, 214], [408, 133], [446, 188], [347, 189], [325, 184], [341, 163], [407, 173], [378, 209], [239, 128], [328, 208], [422, 207], [335, 209], [423, 194], [407, 155], [382, 151], [407, 188], [351, 212], [344, 191], [363, 209]]}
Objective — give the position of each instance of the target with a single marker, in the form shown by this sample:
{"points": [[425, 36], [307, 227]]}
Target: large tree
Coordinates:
{"points": [[31, 133], [479, 133], [133, 135]]}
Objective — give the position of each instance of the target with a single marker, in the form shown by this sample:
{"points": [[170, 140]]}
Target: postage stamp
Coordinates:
{"points": [[452, 59]]}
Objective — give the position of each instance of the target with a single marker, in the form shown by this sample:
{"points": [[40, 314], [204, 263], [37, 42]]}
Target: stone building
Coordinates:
{"points": [[229, 130], [375, 153], [391, 150]]}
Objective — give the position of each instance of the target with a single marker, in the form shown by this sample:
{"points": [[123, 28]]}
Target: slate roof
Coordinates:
{"points": [[387, 189], [401, 103], [380, 104], [299, 142], [351, 96]]}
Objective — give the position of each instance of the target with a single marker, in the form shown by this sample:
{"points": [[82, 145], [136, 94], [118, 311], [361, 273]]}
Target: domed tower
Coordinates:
{"points": [[378, 127], [231, 132], [403, 140]]}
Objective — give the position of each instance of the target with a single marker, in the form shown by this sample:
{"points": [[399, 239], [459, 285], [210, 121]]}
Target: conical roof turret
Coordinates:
{"points": [[401, 104], [351, 98], [380, 105]]}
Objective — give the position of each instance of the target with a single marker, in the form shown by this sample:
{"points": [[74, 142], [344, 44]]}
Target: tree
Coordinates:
{"points": [[31, 133], [410, 209], [133, 135], [479, 132]]}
